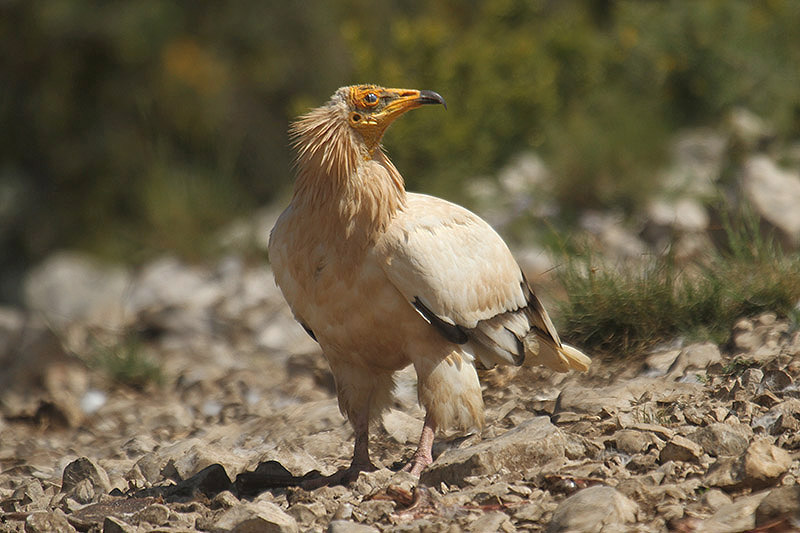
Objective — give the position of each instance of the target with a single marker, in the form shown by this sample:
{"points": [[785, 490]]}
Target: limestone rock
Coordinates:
{"points": [[680, 449], [595, 509], [621, 397], [631, 441], [48, 522], [533, 443], [307, 512], [723, 439], [402, 427], [69, 287], [764, 463], [780, 502], [681, 222], [347, 526], [611, 234], [774, 193], [156, 514], [748, 131], [735, 516], [715, 499], [256, 517], [760, 466], [112, 524], [694, 356], [83, 472], [492, 521]]}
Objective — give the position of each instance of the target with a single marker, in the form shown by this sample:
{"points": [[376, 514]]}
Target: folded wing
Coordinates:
{"points": [[460, 276]]}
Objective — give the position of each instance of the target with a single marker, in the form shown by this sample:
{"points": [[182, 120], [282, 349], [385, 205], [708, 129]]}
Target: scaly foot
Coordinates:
{"points": [[418, 463]]}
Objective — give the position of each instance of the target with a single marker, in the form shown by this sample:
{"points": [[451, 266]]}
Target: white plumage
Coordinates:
{"points": [[382, 278]]}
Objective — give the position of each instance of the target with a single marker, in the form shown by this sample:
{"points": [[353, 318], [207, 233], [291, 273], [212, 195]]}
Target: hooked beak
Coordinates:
{"points": [[406, 99], [431, 97]]}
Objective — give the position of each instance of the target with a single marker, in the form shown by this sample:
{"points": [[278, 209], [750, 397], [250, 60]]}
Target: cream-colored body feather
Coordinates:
{"points": [[384, 278]]}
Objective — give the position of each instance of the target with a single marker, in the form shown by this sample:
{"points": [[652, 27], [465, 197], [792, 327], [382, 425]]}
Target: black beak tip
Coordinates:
{"points": [[431, 97]]}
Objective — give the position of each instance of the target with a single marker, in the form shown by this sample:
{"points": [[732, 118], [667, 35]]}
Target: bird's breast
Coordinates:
{"points": [[359, 316], [340, 292]]}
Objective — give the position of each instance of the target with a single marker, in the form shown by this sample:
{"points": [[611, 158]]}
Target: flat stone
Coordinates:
{"points": [[751, 379], [714, 499], [760, 466], [307, 512], [621, 397], [725, 473], [115, 525], [156, 514], [374, 510], [680, 449], [370, 482], [200, 456], [735, 516], [723, 439], [491, 521], [31, 495], [594, 509], [657, 364], [780, 502], [93, 515], [183, 459], [764, 463], [224, 500], [631, 442], [694, 356], [776, 380], [69, 287], [401, 427], [256, 517], [774, 193], [660, 431], [533, 443], [347, 526], [85, 470], [48, 522], [767, 399]]}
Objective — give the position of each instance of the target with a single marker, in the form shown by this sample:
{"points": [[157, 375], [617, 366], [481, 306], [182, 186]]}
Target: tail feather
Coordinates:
{"points": [[576, 359], [559, 358]]}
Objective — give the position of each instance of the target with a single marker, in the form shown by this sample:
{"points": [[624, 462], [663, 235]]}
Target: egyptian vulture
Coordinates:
{"points": [[382, 278]]}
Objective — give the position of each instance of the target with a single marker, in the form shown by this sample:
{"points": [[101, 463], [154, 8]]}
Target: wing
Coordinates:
{"points": [[460, 276]]}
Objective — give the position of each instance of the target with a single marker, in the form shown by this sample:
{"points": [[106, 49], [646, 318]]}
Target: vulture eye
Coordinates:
{"points": [[371, 99]]}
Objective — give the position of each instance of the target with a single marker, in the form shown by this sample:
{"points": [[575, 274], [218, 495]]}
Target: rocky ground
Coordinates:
{"points": [[693, 437]]}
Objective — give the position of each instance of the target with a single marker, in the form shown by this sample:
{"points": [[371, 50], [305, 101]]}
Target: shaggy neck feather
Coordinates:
{"points": [[337, 173]]}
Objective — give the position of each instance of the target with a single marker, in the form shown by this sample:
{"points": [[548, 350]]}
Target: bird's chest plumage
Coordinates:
{"points": [[337, 287]]}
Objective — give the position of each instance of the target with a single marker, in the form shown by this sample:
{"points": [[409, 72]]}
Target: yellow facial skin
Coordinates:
{"points": [[374, 108]]}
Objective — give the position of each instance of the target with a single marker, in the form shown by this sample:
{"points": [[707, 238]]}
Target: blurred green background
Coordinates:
{"points": [[132, 128]]}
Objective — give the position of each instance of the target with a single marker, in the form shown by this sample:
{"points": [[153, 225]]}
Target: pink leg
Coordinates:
{"points": [[360, 462], [423, 456]]}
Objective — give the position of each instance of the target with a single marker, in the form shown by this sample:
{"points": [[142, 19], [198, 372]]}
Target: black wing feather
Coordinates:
{"points": [[310, 333], [450, 332]]}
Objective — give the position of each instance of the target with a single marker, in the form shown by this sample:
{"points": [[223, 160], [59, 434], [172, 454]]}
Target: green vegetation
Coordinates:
{"points": [[620, 310], [127, 363], [138, 127], [737, 367], [595, 87]]}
